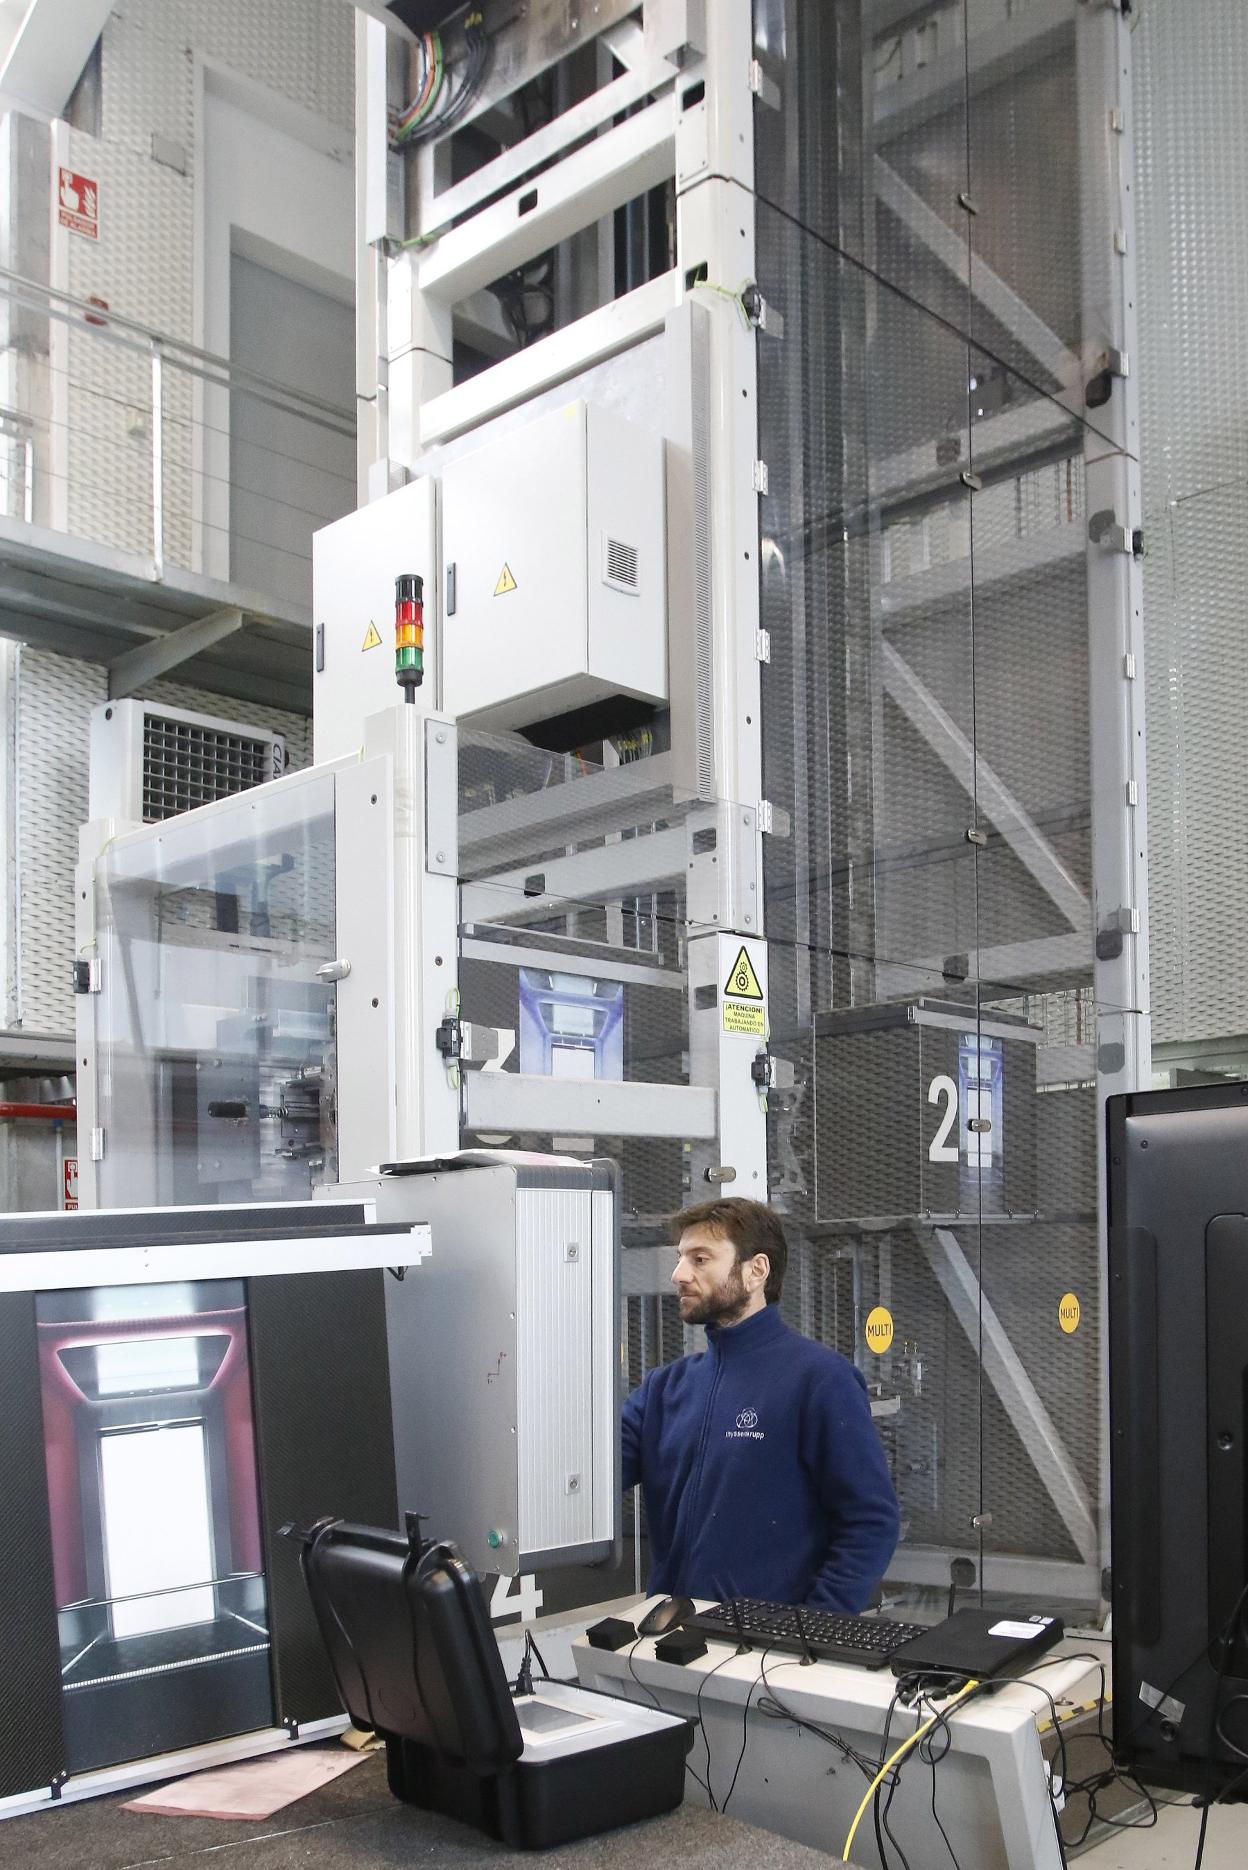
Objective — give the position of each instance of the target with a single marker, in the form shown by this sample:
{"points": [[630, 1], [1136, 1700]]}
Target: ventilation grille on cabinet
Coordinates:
{"points": [[621, 567], [185, 764]]}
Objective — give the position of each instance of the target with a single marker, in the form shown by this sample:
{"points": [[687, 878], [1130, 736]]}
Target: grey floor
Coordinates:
{"points": [[1171, 1845], [353, 1824]]}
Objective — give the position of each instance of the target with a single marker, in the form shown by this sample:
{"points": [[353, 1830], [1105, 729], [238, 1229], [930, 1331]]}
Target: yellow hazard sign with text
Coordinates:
{"points": [[744, 1002]]}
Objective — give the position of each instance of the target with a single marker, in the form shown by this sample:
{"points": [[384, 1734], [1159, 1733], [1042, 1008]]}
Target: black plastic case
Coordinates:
{"points": [[539, 1803], [415, 1658]]}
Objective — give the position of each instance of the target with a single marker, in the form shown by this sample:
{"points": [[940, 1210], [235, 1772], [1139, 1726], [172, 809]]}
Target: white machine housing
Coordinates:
{"points": [[504, 1356], [555, 586], [543, 554], [355, 562], [149, 762]]}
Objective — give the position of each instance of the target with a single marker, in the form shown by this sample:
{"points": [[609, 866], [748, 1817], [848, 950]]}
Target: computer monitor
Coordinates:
{"points": [[1178, 1368]]}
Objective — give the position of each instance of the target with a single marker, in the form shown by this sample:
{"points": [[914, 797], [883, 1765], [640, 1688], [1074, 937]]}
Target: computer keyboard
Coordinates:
{"points": [[866, 1641]]}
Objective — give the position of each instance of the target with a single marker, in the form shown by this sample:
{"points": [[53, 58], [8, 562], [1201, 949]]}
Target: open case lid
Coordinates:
{"points": [[411, 1645]]}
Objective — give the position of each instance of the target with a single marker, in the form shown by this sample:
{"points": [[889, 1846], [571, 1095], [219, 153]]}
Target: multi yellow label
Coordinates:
{"points": [[879, 1332]]}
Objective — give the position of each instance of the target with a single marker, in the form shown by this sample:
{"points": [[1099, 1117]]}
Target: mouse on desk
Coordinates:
{"points": [[666, 1615]]}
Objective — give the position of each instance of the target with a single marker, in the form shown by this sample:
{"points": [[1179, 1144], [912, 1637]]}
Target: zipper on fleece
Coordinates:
{"points": [[705, 1435]]}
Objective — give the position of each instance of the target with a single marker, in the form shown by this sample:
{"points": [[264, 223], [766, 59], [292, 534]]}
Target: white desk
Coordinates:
{"points": [[991, 1787]]}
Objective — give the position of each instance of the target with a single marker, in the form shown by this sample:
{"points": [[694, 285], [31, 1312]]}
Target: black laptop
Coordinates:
{"points": [[978, 1643]]}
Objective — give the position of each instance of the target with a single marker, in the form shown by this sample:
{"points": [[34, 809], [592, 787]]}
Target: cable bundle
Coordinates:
{"points": [[439, 104]]}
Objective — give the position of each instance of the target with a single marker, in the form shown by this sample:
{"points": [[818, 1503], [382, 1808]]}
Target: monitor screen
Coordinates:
{"points": [[1178, 1342]]}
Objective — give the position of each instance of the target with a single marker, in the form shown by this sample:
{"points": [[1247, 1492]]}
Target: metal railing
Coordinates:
{"points": [[118, 433]]}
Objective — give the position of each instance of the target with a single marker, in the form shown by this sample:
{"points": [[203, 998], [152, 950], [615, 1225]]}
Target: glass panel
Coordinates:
{"points": [[214, 1034], [934, 1148]]}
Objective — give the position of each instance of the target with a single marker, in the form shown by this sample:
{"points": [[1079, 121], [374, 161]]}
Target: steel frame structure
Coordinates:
{"points": [[690, 83], [680, 113]]}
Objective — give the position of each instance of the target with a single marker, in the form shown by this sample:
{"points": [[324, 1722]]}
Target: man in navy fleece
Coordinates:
{"points": [[761, 1468]]}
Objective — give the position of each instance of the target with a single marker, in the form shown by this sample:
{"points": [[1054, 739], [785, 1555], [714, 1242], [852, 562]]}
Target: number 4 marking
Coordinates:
{"points": [[940, 1150], [525, 1604]]}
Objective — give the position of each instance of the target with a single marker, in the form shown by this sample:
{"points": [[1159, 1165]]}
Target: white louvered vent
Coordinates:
{"points": [[621, 565], [185, 764], [150, 762]]}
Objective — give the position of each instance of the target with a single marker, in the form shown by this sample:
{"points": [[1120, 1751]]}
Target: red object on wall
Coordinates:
{"points": [[78, 203]]}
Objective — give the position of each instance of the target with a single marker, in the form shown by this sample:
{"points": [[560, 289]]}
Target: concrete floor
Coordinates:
{"points": [[1171, 1843]]}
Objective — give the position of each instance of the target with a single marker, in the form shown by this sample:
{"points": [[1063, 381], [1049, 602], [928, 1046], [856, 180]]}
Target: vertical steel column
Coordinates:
{"points": [[1115, 595], [158, 460], [722, 740]]}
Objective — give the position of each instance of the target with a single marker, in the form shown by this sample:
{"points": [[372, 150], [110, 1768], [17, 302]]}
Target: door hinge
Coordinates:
{"points": [[760, 477], [1133, 792], [1128, 667], [97, 1143], [765, 89], [766, 815], [762, 645], [88, 976]]}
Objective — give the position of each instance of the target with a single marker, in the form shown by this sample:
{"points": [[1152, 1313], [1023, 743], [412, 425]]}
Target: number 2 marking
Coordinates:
{"points": [[940, 1150]]}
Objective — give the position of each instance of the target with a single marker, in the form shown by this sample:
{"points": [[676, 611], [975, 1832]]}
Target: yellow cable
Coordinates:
{"points": [[900, 1754]]}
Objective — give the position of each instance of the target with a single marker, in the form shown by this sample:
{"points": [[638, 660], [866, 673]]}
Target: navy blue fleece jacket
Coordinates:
{"points": [[762, 1471]]}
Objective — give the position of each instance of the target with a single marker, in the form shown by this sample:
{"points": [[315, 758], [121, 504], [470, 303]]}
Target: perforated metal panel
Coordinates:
{"points": [[143, 263], [1192, 225], [55, 700]]}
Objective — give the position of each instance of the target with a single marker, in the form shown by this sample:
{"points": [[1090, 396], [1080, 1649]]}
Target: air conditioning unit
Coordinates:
{"points": [[150, 762]]}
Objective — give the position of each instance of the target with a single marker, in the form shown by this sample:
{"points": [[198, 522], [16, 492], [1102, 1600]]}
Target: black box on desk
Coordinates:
{"points": [[537, 1803], [416, 1659]]}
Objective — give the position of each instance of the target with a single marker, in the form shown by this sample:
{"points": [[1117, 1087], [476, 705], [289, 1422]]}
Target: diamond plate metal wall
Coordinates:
{"points": [[1192, 217]]}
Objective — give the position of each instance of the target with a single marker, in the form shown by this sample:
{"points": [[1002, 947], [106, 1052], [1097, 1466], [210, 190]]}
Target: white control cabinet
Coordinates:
{"points": [[355, 562], [554, 578]]}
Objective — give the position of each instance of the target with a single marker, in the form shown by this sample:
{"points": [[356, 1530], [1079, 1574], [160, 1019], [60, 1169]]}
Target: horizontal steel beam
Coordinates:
{"points": [[147, 662], [515, 1103], [602, 874], [506, 171], [608, 172], [1010, 558], [996, 54], [612, 328], [1041, 426], [557, 960], [1008, 1572], [613, 799], [1006, 966]]}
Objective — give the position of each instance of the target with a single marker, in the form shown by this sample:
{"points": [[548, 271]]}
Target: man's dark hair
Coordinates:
{"points": [[751, 1226]]}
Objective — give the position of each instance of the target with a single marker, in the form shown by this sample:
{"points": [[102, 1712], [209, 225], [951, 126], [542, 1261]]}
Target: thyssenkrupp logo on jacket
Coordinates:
{"points": [[747, 1428]]}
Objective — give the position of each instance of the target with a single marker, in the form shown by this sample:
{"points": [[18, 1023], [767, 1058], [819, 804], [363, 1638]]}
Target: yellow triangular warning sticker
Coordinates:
{"points": [[372, 638], [742, 982], [505, 582]]}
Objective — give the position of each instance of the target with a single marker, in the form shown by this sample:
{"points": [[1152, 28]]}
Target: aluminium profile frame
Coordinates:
{"points": [[698, 131]]}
